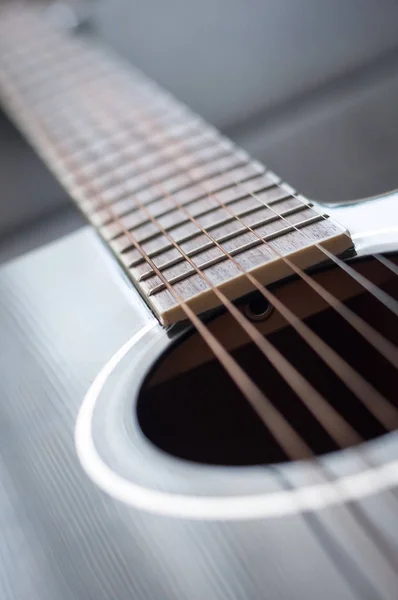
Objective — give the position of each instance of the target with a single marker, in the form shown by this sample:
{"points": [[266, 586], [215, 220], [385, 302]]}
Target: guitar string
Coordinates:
{"points": [[374, 337], [375, 535], [288, 440], [371, 288], [252, 279], [386, 550], [148, 257], [384, 346], [231, 212], [384, 411], [387, 263], [358, 579], [363, 281], [330, 419], [276, 358], [385, 420]]}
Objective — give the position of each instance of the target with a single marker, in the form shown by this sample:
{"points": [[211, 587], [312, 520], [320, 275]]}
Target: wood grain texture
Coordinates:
{"points": [[113, 138]]}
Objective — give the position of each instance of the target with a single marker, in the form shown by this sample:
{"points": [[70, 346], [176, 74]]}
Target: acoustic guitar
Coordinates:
{"points": [[199, 388]]}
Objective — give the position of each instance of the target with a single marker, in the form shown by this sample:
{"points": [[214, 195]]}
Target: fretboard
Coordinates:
{"points": [[167, 192]]}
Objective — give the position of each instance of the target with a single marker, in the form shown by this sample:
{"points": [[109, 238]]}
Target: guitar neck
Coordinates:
{"points": [[167, 193]]}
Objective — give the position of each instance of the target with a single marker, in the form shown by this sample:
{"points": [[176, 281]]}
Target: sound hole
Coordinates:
{"points": [[201, 416]]}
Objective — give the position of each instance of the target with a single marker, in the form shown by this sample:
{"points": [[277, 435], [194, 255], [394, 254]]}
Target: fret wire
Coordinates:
{"points": [[382, 547], [183, 239], [205, 193], [379, 294], [354, 381], [201, 160], [373, 336], [235, 198], [317, 245], [247, 172], [83, 138], [204, 212], [56, 59], [109, 67], [124, 134], [213, 225], [384, 346], [154, 198], [156, 234], [144, 99], [200, 270], [194, 267], [185, 220], [280, 428], [172, 108], [236, 161], [208, 211], [286, 436], [73, 130], [157, 110], [244, 247], [203, 142], [228, 365], [175, 134], [135, 150], [103, 70], [220, 240]]}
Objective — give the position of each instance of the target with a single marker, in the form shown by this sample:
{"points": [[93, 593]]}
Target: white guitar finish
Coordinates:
{"points": [[120, 456], [372, 222], [65, 312]]}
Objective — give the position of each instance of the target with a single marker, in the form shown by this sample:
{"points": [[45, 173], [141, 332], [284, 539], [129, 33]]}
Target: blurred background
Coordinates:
{"points": [[309, 87]]}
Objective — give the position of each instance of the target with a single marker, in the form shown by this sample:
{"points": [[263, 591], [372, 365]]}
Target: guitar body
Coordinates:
{"points": [[165, 536], [132, 463]]}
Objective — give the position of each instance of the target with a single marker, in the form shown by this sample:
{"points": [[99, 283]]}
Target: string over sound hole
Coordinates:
{"points": [[200, 415]]}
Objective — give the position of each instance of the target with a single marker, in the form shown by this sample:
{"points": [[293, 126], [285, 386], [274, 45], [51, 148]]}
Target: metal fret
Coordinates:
{"points": [[137, 151], [130, 155], [224, 238], [158, 174], [181, 184], [212, 226], [278, 195], [239, 250], [81, 134], [115, 228], [199, 192]]}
